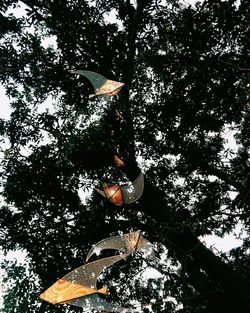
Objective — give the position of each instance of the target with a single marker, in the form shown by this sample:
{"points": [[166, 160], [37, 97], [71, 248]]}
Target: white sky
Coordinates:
{"points": [[4, 104]]}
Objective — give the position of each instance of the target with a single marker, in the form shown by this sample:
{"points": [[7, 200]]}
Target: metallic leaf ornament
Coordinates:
{"points": [[128, 243], [79, 287], [64, 291], [80, 282], [102, 85], [126, 194]]}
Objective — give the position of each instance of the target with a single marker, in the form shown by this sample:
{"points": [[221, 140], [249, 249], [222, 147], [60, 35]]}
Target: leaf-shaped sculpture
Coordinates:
{"points": [[102, 85], [126, 194], [79, 282], [128, 243]]}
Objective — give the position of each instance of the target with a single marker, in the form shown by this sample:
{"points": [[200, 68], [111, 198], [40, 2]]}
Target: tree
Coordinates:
{"points": [[187, 80], [19, 281]]}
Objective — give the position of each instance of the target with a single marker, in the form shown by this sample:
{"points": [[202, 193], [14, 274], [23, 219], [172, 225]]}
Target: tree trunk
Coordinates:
{"points": [[231, 291]]}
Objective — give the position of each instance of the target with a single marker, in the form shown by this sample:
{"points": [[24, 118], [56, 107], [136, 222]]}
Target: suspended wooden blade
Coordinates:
{"points": [[109, 88], [102, 85], [63, 291], [88, 274], [79, 282]]}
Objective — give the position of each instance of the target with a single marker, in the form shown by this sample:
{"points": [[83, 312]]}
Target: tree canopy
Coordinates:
{"points": [[186, 74]]}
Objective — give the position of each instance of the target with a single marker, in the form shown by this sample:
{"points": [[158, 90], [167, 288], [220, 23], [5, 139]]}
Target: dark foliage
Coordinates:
{"points": [[186, 71]]}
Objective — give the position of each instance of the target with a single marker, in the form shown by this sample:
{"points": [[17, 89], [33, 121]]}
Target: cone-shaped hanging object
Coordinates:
{"points": [[126, 194]]}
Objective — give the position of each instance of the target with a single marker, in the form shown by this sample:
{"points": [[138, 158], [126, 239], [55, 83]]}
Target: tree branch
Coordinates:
{"points": [[243, 69], [180, 239]]}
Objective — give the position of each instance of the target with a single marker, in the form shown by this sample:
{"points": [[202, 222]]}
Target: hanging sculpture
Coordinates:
{"points": [[79, 283], [126, 194], [79, 287], [127, 243], [102, 85]]}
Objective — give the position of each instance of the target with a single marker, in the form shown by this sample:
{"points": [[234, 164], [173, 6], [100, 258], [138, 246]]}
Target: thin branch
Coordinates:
{"points": [[244, 69]]}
